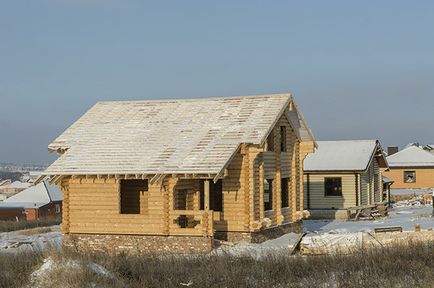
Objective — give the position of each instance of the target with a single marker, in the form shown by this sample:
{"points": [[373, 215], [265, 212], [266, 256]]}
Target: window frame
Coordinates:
{"points": [[215, 203], [122, 184], [268, 206], [326, 192], [405, 176]]}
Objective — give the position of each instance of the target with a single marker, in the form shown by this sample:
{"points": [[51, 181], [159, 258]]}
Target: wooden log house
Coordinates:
{"points": [[172, 175]]}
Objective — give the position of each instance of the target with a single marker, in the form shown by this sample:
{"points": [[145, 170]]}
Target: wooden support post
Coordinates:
{"points": [[293, 185], [300, 177], [65, 208], [261, 191], [206, 189]]}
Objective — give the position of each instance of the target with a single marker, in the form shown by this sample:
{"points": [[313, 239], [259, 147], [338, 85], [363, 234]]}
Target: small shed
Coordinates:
{"points": [[343, 174]]}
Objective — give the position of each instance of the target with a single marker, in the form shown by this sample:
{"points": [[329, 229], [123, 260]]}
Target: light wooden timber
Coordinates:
{"points": [[176, 146]]}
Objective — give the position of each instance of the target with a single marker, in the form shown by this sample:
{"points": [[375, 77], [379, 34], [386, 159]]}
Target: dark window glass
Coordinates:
{"points": [[409, 176], [333, 186], [130, 195], [282, 138], [268, 194], [284, 192], [215, 195]]}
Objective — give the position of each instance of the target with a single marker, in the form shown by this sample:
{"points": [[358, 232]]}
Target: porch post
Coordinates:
{"points": [[206, 195]]}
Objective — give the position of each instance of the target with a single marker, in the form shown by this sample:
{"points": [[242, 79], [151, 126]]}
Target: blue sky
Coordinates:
{"points": [[358, 69]]}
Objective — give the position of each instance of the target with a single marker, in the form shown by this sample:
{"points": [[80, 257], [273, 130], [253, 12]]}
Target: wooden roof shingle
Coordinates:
{"points": [[167, 136]]}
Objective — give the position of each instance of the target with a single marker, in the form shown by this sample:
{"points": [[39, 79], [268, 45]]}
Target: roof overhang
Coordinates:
{"points": [[299, 127]]}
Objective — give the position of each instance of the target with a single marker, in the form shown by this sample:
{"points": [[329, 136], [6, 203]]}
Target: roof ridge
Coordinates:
{"points": [[411, 147], [195, 99]]}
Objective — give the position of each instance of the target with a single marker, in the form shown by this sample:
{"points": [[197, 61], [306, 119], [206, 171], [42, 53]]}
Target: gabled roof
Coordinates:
{"points": [[169, 136], [34, 197], [412, 156], [353, 155]]}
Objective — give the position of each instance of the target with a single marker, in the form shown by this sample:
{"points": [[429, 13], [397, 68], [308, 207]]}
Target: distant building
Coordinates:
{"points": [[343, 174], [30, 176], [40, 201], [411, 168], [14, 187], [4, 182]]}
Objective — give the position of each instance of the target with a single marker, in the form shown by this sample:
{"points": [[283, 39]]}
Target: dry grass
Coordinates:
{"points": [[34, 231], [16, 269], [7, 226], [404, 266]]}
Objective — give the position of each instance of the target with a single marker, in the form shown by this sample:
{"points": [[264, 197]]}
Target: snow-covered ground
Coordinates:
{"points": [[283, 244], [405, 217], [12, 242]]}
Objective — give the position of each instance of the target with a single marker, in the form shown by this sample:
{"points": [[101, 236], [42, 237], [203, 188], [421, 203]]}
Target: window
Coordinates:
{"points": [[282, 139], [284, 192], [130, 195], [180, 199], [57, 208], [270, 142], [333, 186], [215, 195], [268, 194], [409, 176]]}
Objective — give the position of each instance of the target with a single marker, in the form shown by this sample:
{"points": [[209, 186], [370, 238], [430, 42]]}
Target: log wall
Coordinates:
{"points": [[92, 205]]}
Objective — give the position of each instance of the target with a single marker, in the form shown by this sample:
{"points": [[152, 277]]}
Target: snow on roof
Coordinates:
{"points": [[411, 156], [351, 155], [17, 185], [22, 205], [387, 180], [35, 196], [168, 136], [53, 191]]}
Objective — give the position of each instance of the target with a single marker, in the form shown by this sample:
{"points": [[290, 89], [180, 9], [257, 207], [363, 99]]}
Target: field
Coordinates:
{"points": [[410, 266]]}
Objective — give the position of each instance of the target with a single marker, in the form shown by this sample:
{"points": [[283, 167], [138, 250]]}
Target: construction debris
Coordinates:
{"points": [[346, 243], [367, 212], [417, 200]]}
